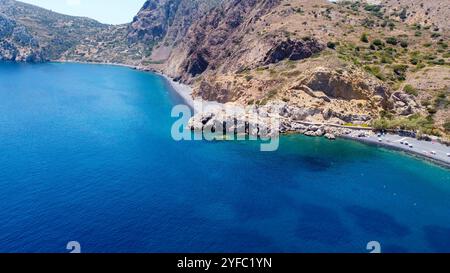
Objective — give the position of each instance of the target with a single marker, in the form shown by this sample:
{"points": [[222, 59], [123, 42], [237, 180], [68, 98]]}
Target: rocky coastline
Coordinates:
{"points": [[262, 119], [259, 121]]}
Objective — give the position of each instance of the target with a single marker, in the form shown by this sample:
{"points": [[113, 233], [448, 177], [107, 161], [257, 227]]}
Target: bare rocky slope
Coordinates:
{"points": [[384, 63], [352, 62], [148, 40], [16, 43], [49, 33]]}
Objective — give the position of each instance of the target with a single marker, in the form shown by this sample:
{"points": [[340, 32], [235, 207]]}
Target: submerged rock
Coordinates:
{"points": [[330, 136]]}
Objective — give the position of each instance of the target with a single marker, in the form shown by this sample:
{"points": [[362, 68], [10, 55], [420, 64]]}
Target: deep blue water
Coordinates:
{"points": [[86, 155]]}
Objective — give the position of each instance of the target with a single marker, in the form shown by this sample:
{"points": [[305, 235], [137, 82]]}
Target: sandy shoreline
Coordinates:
{"points": [[183, 90], [431, 151], [99, 63]]}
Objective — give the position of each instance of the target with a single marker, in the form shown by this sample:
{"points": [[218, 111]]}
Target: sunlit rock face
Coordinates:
{"points": [[153, 20], [16, 43]]}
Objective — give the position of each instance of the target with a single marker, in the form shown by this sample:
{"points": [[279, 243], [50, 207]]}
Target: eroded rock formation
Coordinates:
{"points": [[17, 44], [293, 50]]}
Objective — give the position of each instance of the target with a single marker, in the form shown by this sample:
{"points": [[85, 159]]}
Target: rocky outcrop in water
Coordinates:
{"points": [[268, 121]]}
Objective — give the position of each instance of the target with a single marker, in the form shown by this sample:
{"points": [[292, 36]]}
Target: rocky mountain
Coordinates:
{"points": [[371, 62], [52, 33], [350, 61], [148, 39], [16, 43]]}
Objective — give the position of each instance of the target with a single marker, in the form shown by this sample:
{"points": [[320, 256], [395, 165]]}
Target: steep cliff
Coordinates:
{"points": [[163, 24], [16, 43], [148, 40], [351, 61]]}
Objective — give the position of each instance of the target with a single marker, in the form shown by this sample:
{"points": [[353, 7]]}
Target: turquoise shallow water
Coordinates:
{"points": [[86, 155]]}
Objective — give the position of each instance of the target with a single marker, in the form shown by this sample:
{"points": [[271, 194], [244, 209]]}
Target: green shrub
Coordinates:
{"points": [[386, 60], [442, 45], [372, 8], [441, 100], [400, 71], [435, 35], [392, 40], [414, 61], [420, 66], [425, 103], [380, 124], [403, 14], [447, 126], [375, 10], [331, 45], [378, 43], [368, 23], [391, 25], [376, 71], [404, 44], [429, 56], [413, 123], [409, 89], [391, 51], [364, 38], [439, 62]]}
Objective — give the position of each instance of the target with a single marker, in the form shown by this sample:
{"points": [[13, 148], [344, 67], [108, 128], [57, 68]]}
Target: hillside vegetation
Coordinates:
{"points": [[384, 63]]}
